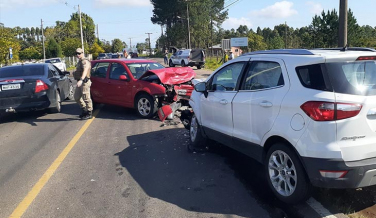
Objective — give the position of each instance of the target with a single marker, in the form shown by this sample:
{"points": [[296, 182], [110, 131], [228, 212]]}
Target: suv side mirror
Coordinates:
{"points": [[66, 73], [200, 87], [123, 77]]}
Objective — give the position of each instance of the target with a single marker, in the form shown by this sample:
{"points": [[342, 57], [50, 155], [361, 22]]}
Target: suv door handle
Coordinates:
{"points": [[266, 104], [223, 101]]}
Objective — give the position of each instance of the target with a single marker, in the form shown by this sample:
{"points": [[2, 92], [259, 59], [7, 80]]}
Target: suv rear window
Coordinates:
{"points": [[23, 70], [355, 78]]}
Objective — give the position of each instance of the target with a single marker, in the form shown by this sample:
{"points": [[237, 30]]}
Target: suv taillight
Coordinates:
{"points": [[366, 58], [40, 86], [329, 111]]}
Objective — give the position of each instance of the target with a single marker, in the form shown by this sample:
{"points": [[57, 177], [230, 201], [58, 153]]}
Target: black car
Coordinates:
{"points": [[33, 87]]}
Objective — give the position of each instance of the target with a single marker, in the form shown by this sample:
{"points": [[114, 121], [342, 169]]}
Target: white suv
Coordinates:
{"points": [[308, 115]]}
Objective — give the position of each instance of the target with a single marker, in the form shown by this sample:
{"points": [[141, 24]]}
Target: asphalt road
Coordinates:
{"points": [[121, 166]]}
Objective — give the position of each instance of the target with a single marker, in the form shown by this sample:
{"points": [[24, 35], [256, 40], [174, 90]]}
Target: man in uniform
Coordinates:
{"points": [[82, 93]]}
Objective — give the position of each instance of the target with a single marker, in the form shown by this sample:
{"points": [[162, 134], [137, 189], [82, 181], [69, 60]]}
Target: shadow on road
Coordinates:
{"points": [[201, 182]]}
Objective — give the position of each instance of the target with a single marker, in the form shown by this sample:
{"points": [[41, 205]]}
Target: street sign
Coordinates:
{"points": [[10, 53], [226, 44], [240, 41]]}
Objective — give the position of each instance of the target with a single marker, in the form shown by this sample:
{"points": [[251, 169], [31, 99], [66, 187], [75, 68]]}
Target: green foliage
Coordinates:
{"points": [[212, 63], [204, 17], [8, 40], [70, 45], [95, 50], [30, 53], [117, 46], [53, 49], [256, 42]]}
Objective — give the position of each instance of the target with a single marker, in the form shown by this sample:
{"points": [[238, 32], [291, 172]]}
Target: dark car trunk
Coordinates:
{"points": [[197, 55], [17, 87]]}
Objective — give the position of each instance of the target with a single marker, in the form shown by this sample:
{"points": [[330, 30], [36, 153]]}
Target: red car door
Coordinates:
{"points": [[119, 92], [99, 82]]}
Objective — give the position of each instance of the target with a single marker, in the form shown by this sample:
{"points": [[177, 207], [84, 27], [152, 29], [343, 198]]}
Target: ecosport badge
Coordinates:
{"points": [[353, 138]]}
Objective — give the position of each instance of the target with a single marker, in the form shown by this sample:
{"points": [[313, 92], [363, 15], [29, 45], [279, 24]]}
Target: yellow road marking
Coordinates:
{"points": [[22, 207]]}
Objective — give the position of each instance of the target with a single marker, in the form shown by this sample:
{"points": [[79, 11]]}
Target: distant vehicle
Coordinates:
{"points": [[142, 84], [117, 55], [102, 56], [34, 87], [188, 57], [57, 62]]}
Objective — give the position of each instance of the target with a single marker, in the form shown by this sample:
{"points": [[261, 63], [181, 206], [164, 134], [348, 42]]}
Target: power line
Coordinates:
{"points": [[231, 4]]}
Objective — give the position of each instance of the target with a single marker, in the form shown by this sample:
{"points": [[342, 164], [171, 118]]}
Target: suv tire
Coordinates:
{"points": [[171, 64], [282, 163], [182, 63], [197, 140]]}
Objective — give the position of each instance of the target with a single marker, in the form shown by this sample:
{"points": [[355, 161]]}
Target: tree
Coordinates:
{"points": [[88, 27], [70, 45], [8, 40], [204, 16], [95, 50], [30, 53], [256, 42], [117, 45], [53, 49]]}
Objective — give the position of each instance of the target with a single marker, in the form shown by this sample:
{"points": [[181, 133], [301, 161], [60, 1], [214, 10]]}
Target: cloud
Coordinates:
{"points": [[314, 8], [116, 3], [281, 9], [8, 4], [233, 22]]}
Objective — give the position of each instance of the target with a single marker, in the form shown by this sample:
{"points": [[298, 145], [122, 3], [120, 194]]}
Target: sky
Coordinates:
{"points": [[129, 20]]}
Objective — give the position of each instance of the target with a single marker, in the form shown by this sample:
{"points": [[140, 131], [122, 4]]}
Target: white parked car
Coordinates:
{"points": [[58, 63], [188, 57], [308, 115]]}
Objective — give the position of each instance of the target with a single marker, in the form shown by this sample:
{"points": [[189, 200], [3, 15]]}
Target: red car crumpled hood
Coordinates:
{"points": [[172, 75]]}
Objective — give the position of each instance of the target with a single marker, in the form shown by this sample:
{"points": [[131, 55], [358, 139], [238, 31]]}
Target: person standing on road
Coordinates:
{"points": [[166, 57], [82, 92]]}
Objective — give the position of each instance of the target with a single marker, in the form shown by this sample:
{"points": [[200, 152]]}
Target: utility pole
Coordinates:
{"points": [[44, 50], [97, 33], [189, 32], [130, 42], [149, 42], [82, 38], [342, 37], [285, 35]]}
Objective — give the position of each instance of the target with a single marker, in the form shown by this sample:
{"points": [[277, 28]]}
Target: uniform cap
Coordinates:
{"points": [[79, 50]]}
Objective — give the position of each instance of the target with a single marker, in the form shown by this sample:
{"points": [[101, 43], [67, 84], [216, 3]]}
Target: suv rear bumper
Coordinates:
{"points": [[196, 63], [360, 173]]}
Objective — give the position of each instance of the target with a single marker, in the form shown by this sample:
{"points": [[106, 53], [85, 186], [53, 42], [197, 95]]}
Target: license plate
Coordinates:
{"points": [[11, 86]]}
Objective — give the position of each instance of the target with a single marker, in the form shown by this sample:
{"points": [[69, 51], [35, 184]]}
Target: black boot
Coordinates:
{"points": [[89, 115], [83, 114]]}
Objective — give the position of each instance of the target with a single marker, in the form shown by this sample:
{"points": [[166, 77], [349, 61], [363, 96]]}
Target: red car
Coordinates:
{"points": [[142, 84]]}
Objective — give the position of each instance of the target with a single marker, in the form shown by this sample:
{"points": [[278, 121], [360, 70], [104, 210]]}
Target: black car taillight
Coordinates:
{"points": [[329, 111], [40, 86]]}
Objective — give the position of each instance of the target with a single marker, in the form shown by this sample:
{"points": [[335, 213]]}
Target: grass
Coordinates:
{"points": [[212, 63]]}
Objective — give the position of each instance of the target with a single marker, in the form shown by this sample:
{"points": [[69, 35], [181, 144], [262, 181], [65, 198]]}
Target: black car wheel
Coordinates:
{"points": [[183, 64], [285, 174], [198, 66], [57, 108], [146, 106], [171, 64]]}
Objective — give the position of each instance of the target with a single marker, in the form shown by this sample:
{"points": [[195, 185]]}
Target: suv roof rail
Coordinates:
{"points": [[282, 51], [347, 49]]}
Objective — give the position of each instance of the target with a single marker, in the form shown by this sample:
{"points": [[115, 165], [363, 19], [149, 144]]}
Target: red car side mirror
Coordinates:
{"points": [[123, 77]]}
